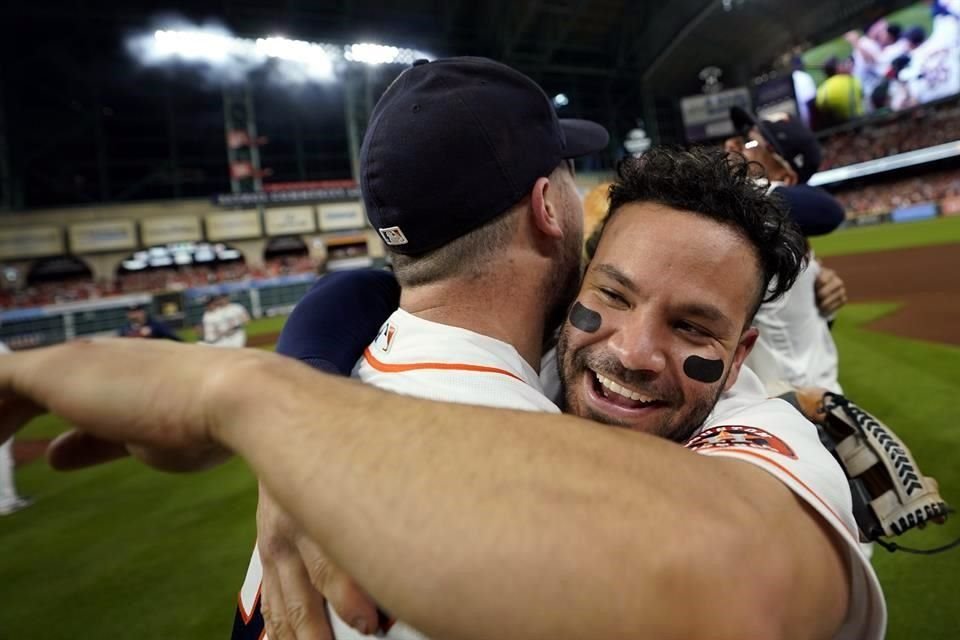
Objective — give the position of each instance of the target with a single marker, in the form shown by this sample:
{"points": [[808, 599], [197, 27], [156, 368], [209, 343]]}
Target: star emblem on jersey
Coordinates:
{"points": [[729, 436]]}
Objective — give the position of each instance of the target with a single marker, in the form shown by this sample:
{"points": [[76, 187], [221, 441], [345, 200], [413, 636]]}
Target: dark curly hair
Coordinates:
{"points": [[710, 183]]}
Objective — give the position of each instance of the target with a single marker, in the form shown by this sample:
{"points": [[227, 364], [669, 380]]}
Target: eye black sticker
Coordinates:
{"points": [[585, 319], [702, 369]]}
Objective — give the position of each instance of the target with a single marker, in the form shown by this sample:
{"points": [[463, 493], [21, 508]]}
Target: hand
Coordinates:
{"points": [[830, 292], [297, 577], [853, 37], [154, 399]]}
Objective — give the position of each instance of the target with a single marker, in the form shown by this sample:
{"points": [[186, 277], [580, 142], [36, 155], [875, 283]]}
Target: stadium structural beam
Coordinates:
{"points": [[532, 8], [567, 25]]}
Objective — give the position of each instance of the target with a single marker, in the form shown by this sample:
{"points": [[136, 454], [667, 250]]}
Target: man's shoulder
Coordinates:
{"points": [[414, 356]]}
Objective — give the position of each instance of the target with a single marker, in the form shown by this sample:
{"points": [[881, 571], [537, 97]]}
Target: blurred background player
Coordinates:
{"points": [[10, 501], [934, 68], [224, 323], [805, 89], [233, 318], [140, 324], [873, 52], [840, 96], [795, 348]]}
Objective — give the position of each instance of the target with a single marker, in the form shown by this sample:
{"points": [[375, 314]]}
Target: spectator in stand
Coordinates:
{"points": [[883, 198], [840, 97], [140, 325], [907, 132]]}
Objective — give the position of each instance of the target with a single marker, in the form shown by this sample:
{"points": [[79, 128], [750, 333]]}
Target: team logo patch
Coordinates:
{"points": [[393, 236], [727, 436], [385, 338]]}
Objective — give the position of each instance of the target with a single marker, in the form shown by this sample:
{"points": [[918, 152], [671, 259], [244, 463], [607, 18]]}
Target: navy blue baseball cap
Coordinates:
{"points": [[454, 143], [791, 139]]}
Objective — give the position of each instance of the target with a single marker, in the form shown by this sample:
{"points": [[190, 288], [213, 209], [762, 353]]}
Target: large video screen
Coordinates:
{"points": [[909, 57]]}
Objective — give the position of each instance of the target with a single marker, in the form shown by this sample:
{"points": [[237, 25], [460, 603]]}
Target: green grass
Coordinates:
{"points": [[131, 553], [255, 328], [912, 386], [883, 237], [120, 551]]}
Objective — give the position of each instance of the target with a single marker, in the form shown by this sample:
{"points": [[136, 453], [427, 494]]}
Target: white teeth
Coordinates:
{"points": [[621, 390]]}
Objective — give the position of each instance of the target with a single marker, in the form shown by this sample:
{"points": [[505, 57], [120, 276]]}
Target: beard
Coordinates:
{"points": [[563, 282], [685, 413]]}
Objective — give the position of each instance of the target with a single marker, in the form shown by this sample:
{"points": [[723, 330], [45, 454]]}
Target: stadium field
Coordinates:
{"points": [[123, 552], [883, 237]]}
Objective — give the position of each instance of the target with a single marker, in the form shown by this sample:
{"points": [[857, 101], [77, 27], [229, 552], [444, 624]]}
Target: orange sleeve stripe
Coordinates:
{"points": [[253, 608], [750, 452], [441, 366]]}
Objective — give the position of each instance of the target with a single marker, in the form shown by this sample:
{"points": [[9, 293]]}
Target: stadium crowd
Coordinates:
{"points": [[149, 280], [883, 197], [908, 132]]}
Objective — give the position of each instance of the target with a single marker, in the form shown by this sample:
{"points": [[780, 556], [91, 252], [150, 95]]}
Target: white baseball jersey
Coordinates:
{"points": [[795, 347], [224, 327], [420, 358], [772, 435], [8, 490], [934, 70]]}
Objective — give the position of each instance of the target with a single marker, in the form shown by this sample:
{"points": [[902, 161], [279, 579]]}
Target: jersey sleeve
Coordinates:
{"points": [[332, 325], [776, 438], [814, 210]]}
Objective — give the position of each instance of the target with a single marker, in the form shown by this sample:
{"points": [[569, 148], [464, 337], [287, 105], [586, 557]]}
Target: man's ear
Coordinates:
{"points": [[546, 214], [790, 177], [744, 347]]}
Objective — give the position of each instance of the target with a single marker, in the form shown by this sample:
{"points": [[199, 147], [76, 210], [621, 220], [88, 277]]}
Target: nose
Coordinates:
{"points": [[640, 343]]}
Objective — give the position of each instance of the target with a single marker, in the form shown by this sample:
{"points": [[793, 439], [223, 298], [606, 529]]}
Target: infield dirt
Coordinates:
{"points": [[924, 280]]}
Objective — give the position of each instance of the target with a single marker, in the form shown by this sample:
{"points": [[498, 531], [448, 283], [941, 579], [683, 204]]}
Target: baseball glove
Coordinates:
{"points": [[890, 493]]}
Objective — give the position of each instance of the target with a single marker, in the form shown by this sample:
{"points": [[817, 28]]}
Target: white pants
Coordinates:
{"points": [[8, 491]]}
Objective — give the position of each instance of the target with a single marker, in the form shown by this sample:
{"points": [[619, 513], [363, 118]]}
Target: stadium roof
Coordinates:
{"points": [[73, 100]]}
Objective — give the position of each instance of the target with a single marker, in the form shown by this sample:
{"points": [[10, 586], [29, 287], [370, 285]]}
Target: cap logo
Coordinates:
{"points": [[798, 160], [393, 236]]}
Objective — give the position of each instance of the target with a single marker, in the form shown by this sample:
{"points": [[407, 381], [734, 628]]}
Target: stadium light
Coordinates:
{"points": [[229, 56], [560, 100], [313, 56], [369, 53], [200, 46]]}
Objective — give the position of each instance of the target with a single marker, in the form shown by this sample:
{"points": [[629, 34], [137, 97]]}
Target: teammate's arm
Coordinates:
{"points": [[463, 521], [328, 329]]}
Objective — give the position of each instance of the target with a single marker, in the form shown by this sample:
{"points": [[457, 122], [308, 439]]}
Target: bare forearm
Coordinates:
{"points": [[512, 524]]}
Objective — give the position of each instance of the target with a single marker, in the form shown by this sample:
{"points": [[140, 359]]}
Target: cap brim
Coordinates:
{"points": [[583, 137]]}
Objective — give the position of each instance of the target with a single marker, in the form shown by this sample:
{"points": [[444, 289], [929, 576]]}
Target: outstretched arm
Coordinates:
{"points": [[468, 522]]}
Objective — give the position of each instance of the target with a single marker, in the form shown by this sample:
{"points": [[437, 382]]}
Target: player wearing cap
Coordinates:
{"points": [[795, 348], [140, 324], [466, 176]]}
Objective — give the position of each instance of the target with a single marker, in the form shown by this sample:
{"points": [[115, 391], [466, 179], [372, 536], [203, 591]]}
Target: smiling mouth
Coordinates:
{"points": [[621, 395]]}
